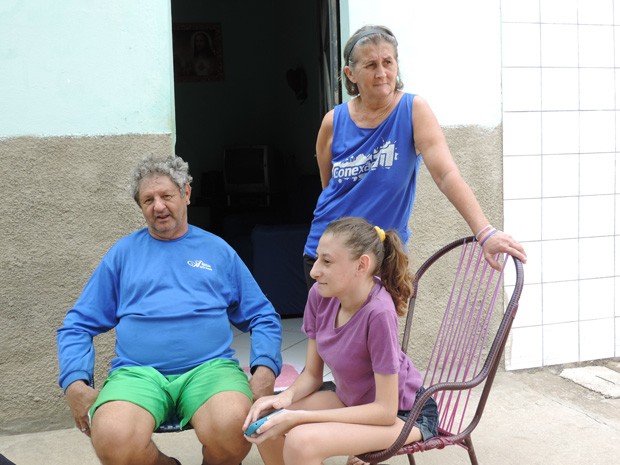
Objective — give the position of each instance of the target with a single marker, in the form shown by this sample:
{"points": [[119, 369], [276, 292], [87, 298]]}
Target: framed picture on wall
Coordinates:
{"points": [[197, 52]]}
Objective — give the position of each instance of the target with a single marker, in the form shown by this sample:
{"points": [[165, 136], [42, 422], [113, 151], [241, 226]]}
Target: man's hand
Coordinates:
{"points": [[81, 397], [262, 382]]}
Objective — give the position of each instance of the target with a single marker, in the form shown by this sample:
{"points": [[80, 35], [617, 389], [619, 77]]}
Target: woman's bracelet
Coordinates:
{"points": [[487, 238], [479, 233]]}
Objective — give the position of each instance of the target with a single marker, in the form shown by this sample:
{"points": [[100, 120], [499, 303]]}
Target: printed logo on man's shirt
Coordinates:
{"points": [[199, 264], [357, 166]]}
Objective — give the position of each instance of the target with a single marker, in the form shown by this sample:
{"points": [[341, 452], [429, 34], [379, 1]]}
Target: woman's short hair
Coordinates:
{"points": [[362, 36], [172, 166]]}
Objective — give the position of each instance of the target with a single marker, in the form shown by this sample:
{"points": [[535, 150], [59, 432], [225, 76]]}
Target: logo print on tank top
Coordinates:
{"points": [[357, 166]]}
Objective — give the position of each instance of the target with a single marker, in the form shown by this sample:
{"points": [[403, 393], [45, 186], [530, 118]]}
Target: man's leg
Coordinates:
{"points": [[218, 425], [121, 434]]}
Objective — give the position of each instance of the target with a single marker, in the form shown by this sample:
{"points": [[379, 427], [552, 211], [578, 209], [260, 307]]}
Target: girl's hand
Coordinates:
{"points": [[266, 405], [276, 426]]}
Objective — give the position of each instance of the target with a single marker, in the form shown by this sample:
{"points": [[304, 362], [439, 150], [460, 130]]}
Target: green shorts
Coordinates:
{"points": [[180, 395]]}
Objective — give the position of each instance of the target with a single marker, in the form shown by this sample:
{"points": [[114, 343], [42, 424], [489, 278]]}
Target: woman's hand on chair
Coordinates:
{"points": [[499, 242]]}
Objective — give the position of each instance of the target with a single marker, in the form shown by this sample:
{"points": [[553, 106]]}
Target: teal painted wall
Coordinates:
{"points": [[84, 67]]}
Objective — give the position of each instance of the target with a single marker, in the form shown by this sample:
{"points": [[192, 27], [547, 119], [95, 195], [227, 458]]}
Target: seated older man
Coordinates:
{"points": [[171, 291]]}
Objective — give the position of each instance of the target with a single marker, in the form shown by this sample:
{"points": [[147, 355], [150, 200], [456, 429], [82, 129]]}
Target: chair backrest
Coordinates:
{"points": [[467, 349]]}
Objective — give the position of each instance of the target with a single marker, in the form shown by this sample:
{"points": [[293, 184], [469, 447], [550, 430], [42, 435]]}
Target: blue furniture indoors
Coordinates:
{"points": [[277, 252]]}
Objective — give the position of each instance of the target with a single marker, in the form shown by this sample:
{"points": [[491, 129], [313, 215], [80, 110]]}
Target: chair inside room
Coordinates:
{"points": [[472, 327]]}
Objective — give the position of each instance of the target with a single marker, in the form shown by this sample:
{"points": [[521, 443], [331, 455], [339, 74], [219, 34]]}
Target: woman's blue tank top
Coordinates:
{"points": [[374, 173]]}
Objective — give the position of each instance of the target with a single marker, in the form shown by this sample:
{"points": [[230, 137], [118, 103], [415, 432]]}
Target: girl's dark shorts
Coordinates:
{"points": [[428, 418]]}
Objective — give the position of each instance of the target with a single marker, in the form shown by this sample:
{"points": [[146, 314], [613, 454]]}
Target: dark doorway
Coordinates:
{"points": [[253, 113]]}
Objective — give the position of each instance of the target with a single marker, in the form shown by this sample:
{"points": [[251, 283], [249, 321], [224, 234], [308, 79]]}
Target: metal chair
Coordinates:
{"points": [[467, 349], [172, 425]]}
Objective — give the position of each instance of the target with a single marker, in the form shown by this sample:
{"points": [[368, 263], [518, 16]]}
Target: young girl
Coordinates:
{"points": [[351, 320]]}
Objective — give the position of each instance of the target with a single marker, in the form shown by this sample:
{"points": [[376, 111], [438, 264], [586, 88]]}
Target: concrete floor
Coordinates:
{"points": [[533, 417]]}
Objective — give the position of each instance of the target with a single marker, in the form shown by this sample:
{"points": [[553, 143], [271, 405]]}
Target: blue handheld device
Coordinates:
{"points": [[254, 426]]}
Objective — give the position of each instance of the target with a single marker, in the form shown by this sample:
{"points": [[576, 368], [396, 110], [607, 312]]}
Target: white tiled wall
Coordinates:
{"points": [[561, 97]]}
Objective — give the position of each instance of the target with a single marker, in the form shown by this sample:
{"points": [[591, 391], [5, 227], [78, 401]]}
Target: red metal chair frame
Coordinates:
{"points": [[460, 359]]}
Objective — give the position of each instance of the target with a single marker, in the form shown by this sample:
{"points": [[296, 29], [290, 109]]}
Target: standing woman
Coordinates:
{"points": [[363, 284], [369, 152]]}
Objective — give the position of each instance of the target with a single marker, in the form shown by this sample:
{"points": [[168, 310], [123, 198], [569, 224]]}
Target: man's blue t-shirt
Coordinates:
{"points": [[172, 304]]}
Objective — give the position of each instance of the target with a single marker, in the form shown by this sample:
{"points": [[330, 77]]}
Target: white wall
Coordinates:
{"points": [[553, 85], [67, 70], [561, 176], [449, 52]]}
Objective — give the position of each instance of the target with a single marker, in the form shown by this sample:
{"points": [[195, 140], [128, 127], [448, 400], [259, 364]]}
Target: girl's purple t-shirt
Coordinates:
{"points": [[367, 344]]}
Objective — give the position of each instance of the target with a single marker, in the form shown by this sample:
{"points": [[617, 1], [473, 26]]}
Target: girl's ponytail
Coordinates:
{"points": [[394, 271]]}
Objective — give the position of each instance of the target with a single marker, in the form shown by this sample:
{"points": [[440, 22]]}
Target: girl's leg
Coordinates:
{"points": [[312, 443], [271, 451]]}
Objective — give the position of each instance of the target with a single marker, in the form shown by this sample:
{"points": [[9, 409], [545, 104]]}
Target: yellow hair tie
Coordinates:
{"points": [[380, 232]]}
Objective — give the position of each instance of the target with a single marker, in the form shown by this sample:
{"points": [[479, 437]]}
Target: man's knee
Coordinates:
{"points": [[224, 413], [119, 429], [218, 426], [218, 452]]}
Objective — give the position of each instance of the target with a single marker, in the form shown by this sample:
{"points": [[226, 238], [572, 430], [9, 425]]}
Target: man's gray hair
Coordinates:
{"points": [[172, 166]]}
